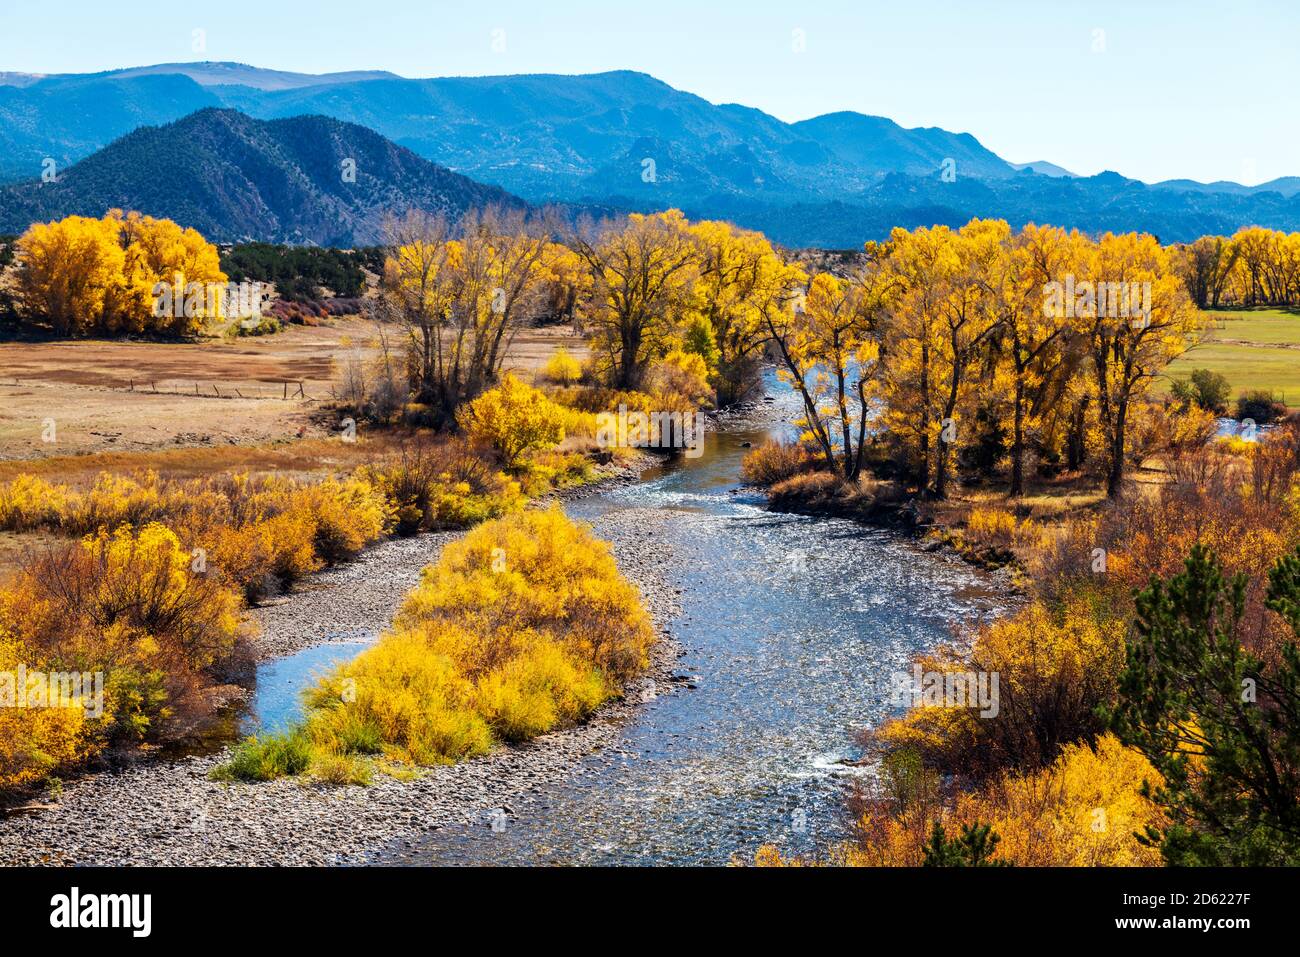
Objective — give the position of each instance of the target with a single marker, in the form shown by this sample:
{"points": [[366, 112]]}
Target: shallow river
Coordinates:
{"points": [[793, 627]]}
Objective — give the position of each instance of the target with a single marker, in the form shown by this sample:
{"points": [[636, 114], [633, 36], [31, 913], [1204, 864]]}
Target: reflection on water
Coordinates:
{"points": [[793, 627], [277, 697]]}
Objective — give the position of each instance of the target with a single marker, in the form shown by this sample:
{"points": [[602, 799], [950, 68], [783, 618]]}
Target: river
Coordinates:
{"points": [[793, 628]]}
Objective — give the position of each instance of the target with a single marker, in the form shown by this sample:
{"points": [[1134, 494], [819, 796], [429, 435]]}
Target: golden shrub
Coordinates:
{"points": [[522, 626], [1054, 665], [512, 419], [774, 462], [1083, 810], [35, 741], [562, 368]]}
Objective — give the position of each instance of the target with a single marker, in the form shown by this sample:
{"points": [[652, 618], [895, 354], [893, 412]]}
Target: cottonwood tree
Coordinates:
{"points": [[84, 275], [963, 328], [922, 263], [738, 274], [1033, 343], [829, 355], [1128, 348], [460, 295], [642, 271]]}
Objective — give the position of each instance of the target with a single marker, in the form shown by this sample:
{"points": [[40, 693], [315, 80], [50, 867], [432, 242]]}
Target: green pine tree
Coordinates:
{"points": [[1221, 725], [974, 848]]}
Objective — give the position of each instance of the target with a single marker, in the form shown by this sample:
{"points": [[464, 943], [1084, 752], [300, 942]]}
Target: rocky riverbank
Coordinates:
{"points": [[169, 812]]}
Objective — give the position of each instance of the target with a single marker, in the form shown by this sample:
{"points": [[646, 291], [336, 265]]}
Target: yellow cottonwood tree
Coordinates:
{"points": [[828, 355], [642, 271], [84, 275], [1128, 346], [739, 272]]}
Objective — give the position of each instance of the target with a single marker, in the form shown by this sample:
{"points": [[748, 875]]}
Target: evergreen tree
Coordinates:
{"points": [[1219, 723]]}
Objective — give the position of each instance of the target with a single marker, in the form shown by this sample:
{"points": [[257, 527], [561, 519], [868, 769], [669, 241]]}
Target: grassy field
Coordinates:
{"points": [[141, 397], [1254, 349]]}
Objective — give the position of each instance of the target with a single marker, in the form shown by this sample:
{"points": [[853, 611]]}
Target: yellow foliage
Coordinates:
{"points": [[85, 275], [680, 381], [1054, 666], [1081, 811], [562, 368], [29, 503], [35, 741], [522, 626], [512, 419]]}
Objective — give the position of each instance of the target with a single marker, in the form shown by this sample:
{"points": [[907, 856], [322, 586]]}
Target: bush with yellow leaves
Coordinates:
{"points": [[523, 626], [562, 368], [34, 742], [774, 462], [28, 503], [436, 487], [1083, 810], [128, 604], [1054, 665], [680, 382], [512, 419]]}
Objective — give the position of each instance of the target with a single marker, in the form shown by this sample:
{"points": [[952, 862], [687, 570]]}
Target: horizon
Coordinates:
{"points": [[504, 76], [828, 59]]}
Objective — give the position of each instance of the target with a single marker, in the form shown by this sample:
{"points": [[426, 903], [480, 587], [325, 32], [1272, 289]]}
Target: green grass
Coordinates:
{"points": [[267, 758], [1255, 358], [1261, 326]]}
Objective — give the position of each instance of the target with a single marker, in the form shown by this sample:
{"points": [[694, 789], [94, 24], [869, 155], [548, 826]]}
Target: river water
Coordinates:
{"points": [[793, 628]]}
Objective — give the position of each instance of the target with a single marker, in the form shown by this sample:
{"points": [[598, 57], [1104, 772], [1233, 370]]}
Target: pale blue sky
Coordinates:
{"points": [[1165, 89]]}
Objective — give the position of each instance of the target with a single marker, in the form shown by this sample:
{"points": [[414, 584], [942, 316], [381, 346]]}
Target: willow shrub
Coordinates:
{"points": [[523, 626], [129, 605], [1055, 665], [36, 741], [1085, 809]]}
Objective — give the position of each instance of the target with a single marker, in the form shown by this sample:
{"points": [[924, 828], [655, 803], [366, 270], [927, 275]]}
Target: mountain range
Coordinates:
{"points": [[235, 178], [619, 140]]}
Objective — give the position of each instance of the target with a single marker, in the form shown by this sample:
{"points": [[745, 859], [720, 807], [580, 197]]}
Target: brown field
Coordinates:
{"points": [[149, 397]]}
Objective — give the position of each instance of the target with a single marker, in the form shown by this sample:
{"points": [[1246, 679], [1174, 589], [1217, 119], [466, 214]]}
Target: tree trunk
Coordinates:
{"points": [[1018, 442], [1115, 474]]}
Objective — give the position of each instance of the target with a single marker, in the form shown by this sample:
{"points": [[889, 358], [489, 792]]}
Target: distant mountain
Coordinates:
{"points": [[1043, 168], [876, 146], [65, 119], [210, 73], [626, 140], [233, 178], [239, 74], [1287, 186], [541, 136]]}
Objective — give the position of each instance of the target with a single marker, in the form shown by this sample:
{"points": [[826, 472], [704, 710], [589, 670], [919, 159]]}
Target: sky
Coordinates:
{"points": [[1151, 89]]}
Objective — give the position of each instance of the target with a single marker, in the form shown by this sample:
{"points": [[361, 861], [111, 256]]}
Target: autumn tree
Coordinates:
{"points": [[68, 273], [830, 357], [964, 327], [460, 295], [642, 271], [922, 263], [84, 275], [1205, 266], [739, 274], [1135, 316], [1034, 345]]}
